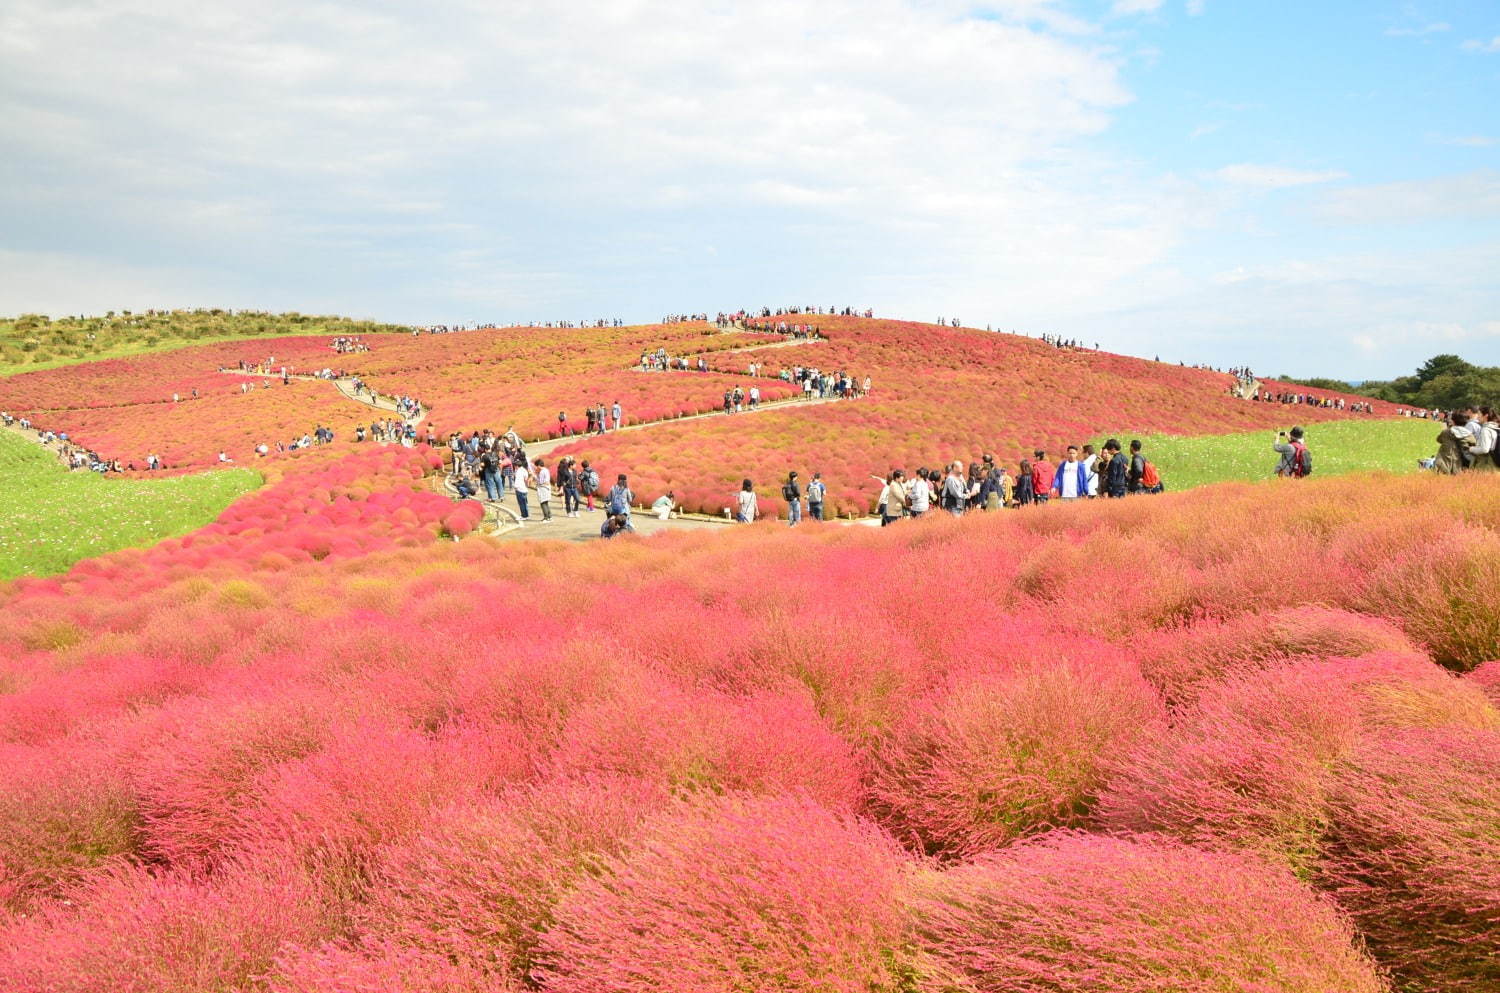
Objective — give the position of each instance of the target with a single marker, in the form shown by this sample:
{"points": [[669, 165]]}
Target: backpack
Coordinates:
{"points": [[1150, 478], [1301, 460], [618, 503], [789, 492], [591, 480]]}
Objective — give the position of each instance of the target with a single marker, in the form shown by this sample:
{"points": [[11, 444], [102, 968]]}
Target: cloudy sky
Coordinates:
{"points": [[1315, 190]]}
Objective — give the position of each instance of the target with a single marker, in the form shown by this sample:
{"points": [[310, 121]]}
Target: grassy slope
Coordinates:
{"points": [[51, 518], [32, 342], [1336, 446]]}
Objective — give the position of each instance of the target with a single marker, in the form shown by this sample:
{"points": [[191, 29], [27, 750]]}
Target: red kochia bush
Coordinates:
{"points": [[1249, 765], [732, 894], [1180, 660], [1487, 678], [1075, 913], [1413, 854], [478, 883], [385, 969], [135, 932], [699, 739], [1441, 590], [994, 756]]}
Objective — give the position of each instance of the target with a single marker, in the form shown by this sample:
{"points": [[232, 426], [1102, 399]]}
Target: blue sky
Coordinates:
{"points": [[1311, 189]]}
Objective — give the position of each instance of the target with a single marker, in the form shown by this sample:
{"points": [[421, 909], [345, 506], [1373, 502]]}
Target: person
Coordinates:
{"points": [[590, 417], [1114, 471], [568, 476], [613, 525], [618, 415], [620, 497], [1486, 432], [1137, 471], [919, 493], [1025, 485], [1295, 461], [1091, 466], [1071, 482], [791, 491], [747, 503], [1452, 441], [663, 506], [590, 482], [894, 498], [816, 491], [955, 492], [563, 430], [489, 474], [1004, 491], [521, 485], [1041, 476]]}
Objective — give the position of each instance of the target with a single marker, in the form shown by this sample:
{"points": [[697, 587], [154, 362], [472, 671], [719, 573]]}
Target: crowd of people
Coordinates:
{"points": [[1469, 441], [1307, 399]]}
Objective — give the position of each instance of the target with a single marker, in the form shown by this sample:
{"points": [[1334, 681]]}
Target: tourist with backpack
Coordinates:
{"points": [[816, 491], [791, 492], [1296, 460], [589, 479], [489, 474], [620, 497]]}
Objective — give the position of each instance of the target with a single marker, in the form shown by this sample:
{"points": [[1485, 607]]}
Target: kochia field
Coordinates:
{"points": [[1239, 738]]}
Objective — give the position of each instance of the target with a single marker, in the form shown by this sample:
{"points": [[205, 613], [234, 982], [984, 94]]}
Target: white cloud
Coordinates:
{"points": [[1468, 196], [1195, 8], [1473, 141], [1419, 31], [1136, 6], [1268, 177], [1490, 47], [1204, 130]]}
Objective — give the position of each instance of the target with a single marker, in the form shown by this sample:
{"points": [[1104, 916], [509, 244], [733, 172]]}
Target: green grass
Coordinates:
{"points": [[34, 341], [1337, 447], [51, 518]]}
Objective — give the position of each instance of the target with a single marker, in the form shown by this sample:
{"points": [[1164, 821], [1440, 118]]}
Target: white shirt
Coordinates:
{"points": [[1093, 474], [522, 474], [1067, 476], [920, 494]]}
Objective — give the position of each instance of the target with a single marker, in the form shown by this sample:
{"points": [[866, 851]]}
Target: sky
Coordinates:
{"points": [[1310, 189]]}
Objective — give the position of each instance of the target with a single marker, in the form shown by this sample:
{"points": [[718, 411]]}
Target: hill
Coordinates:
{"points": [[36, 341]]}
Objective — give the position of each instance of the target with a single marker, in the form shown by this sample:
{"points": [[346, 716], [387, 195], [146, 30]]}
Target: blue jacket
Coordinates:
{"points": [[1083, 479]]}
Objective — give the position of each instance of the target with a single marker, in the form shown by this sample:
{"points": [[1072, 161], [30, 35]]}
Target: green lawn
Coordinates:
{"points": [[1337, 447], [51, 518]]}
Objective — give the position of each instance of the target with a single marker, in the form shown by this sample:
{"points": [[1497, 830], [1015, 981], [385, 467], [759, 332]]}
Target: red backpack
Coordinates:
{"points": [[1150, 478]]}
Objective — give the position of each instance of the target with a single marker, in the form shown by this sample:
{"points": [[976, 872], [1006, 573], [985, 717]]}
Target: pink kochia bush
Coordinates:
{"points": [[479, 881], [1413, 855], [993, 756], [1250, 765], [1073, 913], [733, 894]]}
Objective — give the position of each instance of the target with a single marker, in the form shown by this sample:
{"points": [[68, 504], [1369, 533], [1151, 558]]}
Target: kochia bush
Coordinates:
{"points": [[733, 894], [1072, 913], [994, 755], [1413, 854]]}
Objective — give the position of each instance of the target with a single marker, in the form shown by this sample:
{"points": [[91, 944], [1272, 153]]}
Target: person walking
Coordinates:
{"points": [[1025, 485], [569, 479], [791, 491], [747, 503], [816, 491], [618, 414], [589, 479]]}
